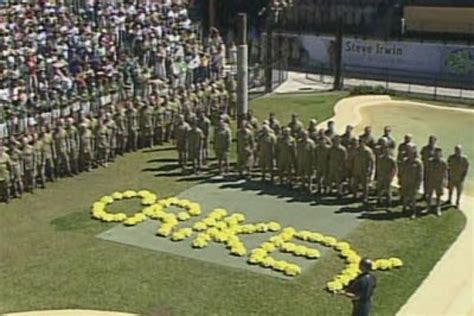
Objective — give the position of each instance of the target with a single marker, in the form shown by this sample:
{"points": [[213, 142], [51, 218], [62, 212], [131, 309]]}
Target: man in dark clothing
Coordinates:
{"points": [[362, 289]]}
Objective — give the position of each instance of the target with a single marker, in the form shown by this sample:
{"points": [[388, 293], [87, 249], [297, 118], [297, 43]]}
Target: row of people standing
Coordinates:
{"points": [[66, 147], [323, 160]]}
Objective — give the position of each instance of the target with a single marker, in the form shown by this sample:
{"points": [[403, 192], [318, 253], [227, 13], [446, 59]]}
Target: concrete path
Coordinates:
{"points": [[448, 290], [302, 82]]}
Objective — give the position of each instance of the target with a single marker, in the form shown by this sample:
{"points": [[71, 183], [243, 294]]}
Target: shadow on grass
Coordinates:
{"points": [[159, 149], [162, 160], [73, 221]]}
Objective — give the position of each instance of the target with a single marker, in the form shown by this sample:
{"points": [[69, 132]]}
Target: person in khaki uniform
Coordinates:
{"points": [[204, 123], [313, 130], [296, 126], [286, 156], [146, 125], [404, 147], [351, 149], [367, 137], [159, 122], [337, 163], [387, 134], [322, 162], [266, 150], [222, 143], [363, 169], [305, 152], [411, 178], [86, 147], [181, 135], [195, 141], [427, 153], [386, 171], [49, 152], [16, 168], [245, 150], [458, 167], [28, 159], [73, 140], [103, 143], [120, 119], [436, 177], [274, 124], [61, 144], [40, 160], [347, 137], [5, 173], [112, 130], [133, 127], [168, 120]]}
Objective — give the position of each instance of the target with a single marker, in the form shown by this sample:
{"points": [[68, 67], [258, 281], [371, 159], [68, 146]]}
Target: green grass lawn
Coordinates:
{"points": [[51, 259]]}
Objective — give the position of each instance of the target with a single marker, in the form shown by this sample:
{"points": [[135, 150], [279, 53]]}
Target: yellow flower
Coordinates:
{"points": [[199, 226], [117, 196], [342, 246], [199, 243], [164, 231], [238, 251], [248, 229], [255, 259], [221, 225], [129, 194], [303, 235], [268, 262], [170, 218], [280, 265], [106, 199], [329, 241], [277, 241], [204, 236], [289, 230], [288, 247], [261, 227], [268, 246], [213, 232], [292, 270], [194, 209], [221, 236], [274, 226], [259, 252], [177, 236], [183, 216], [396, 262], [119, 217], [334, 286], [219, 212], [98, 206], [209, 221], [300, 250], [312, 253], [315, 237]]}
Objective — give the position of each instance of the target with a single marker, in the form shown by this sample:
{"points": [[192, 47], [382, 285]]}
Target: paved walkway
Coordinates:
{"points": [[300, 82]]}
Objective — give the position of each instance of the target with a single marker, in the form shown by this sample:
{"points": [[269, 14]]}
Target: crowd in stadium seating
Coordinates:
{"points": [[52, 56]]}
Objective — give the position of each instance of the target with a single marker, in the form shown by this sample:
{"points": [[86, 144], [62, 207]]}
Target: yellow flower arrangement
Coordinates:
{"points": [[99, 209], [219, 226]]}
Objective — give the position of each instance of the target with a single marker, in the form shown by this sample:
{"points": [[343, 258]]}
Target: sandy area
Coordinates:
{"points": [[448, 290]]}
